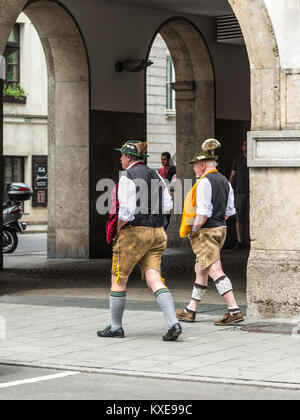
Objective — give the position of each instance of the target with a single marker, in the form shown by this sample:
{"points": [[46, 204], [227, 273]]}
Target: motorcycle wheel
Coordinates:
{"points": [[10, 241]]}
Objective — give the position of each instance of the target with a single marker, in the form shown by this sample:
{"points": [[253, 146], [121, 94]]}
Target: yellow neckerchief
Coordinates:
{"points": [[190, 205]]}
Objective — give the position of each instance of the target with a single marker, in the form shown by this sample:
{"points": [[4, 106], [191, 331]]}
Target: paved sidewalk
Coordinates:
{"points": [[36, 275], [36, 229], [62, 334]]}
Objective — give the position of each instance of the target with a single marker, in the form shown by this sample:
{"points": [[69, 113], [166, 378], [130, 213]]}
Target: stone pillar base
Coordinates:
{"points": [[174, 240], [273, 287]]}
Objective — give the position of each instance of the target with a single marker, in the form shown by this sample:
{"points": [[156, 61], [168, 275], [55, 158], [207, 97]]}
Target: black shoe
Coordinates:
{"points": [[173, 333], [238, 247], [107, 332]]}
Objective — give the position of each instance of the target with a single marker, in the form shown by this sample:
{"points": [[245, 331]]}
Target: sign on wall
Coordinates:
{"points": [[40, 181], [274, 149]]}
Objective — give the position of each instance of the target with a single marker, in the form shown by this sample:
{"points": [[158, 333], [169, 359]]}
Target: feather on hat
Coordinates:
{"points": [[135, 148], [210, 144], [207, 152]]}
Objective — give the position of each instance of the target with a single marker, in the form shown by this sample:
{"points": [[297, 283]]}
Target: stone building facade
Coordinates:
{"points": [[161, 104], [222, 90], [25, 124]]}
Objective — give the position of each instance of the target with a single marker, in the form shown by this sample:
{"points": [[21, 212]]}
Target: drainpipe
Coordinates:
{"points": [[2, 78]]}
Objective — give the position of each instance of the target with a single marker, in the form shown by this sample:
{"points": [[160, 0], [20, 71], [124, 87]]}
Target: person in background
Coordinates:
{"points": [[239, 179], [167, 171]]}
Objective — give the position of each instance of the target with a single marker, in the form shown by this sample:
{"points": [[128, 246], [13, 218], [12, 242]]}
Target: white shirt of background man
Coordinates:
{"points": [[127, 198], [204, 200]]}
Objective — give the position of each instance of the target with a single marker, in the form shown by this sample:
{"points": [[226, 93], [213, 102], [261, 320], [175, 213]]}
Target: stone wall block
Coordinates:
{"points": [[203, 70], [253, 18], [51, 21], [72, 117], [71, 243], [292, 99], [183, 70], [178, 52], [10, 10], [270, 80], [71, 205], [274, 287], [70, 62], [275, 212], [265, 99], [204, 100]]}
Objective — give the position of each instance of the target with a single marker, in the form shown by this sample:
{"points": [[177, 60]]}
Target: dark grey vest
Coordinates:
{"points": [[220, 194], [149, 190]]}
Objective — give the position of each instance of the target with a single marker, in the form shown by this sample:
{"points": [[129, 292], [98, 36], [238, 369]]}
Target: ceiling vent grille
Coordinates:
{"points": [[229, 30]]}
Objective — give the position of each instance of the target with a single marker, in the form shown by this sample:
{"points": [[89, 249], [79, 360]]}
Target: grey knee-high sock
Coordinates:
{"points": [[165, 301], [117, 307]]}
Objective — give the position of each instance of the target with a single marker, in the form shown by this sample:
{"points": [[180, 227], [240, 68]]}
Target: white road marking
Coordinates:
{"points": [[38, 379]]}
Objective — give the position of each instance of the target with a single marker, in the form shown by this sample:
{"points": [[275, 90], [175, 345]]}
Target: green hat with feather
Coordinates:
{"points": [[207, 152], [135, 148]]}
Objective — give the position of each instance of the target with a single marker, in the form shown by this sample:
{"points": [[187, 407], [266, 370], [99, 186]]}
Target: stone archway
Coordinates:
{"points": [[195, 97], [194, 86], [264, 61], [68, 133], [273, 266]]}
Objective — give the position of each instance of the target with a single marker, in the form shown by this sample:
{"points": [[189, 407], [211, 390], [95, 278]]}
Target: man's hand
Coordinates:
{"points": [[199, 222], [195, 228]]}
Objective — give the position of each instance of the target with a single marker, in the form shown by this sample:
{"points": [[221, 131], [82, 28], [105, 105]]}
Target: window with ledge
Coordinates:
{"points": [[13, 168], [171, 102], [12, 55]]}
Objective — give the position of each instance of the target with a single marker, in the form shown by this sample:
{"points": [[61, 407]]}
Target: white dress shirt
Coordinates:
{"points": [[204, 200], [127, 198]]}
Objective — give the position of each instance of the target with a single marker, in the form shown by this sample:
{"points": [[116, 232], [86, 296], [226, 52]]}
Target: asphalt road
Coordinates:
{"points": [[31, 244], [19, 383]]}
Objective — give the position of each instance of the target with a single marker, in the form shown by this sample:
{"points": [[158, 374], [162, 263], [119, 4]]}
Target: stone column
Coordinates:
{"points": [[273, 276], [186, 136], [1, 172], [194, 124], [68, 130], [185, 143]]}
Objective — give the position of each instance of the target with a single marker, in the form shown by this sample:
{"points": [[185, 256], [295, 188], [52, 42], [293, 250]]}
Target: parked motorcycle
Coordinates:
{"points": [[12, 214]]}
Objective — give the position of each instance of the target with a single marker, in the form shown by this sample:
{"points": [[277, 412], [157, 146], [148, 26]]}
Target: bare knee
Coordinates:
{"points": [[201, 275], [154, 280], [199, 271], [120, 285], [216, 271]]}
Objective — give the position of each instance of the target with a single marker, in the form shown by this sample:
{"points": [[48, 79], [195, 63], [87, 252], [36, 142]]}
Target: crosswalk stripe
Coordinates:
{"points": [[38, 379]]}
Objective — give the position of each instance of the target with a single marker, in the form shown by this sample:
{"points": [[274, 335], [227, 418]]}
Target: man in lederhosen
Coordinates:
{"points": [[208, 205], [143, 199]]}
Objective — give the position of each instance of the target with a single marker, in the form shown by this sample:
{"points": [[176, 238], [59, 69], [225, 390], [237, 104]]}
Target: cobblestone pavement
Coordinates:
{"points": [[61, 333]]}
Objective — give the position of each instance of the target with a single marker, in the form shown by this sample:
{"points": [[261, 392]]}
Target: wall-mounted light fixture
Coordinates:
{"points": [[132, 65]]}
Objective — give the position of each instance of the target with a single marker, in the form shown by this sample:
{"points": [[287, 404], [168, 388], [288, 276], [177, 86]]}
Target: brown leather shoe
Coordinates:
{"points": [[185, 315], [230, 319]]}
